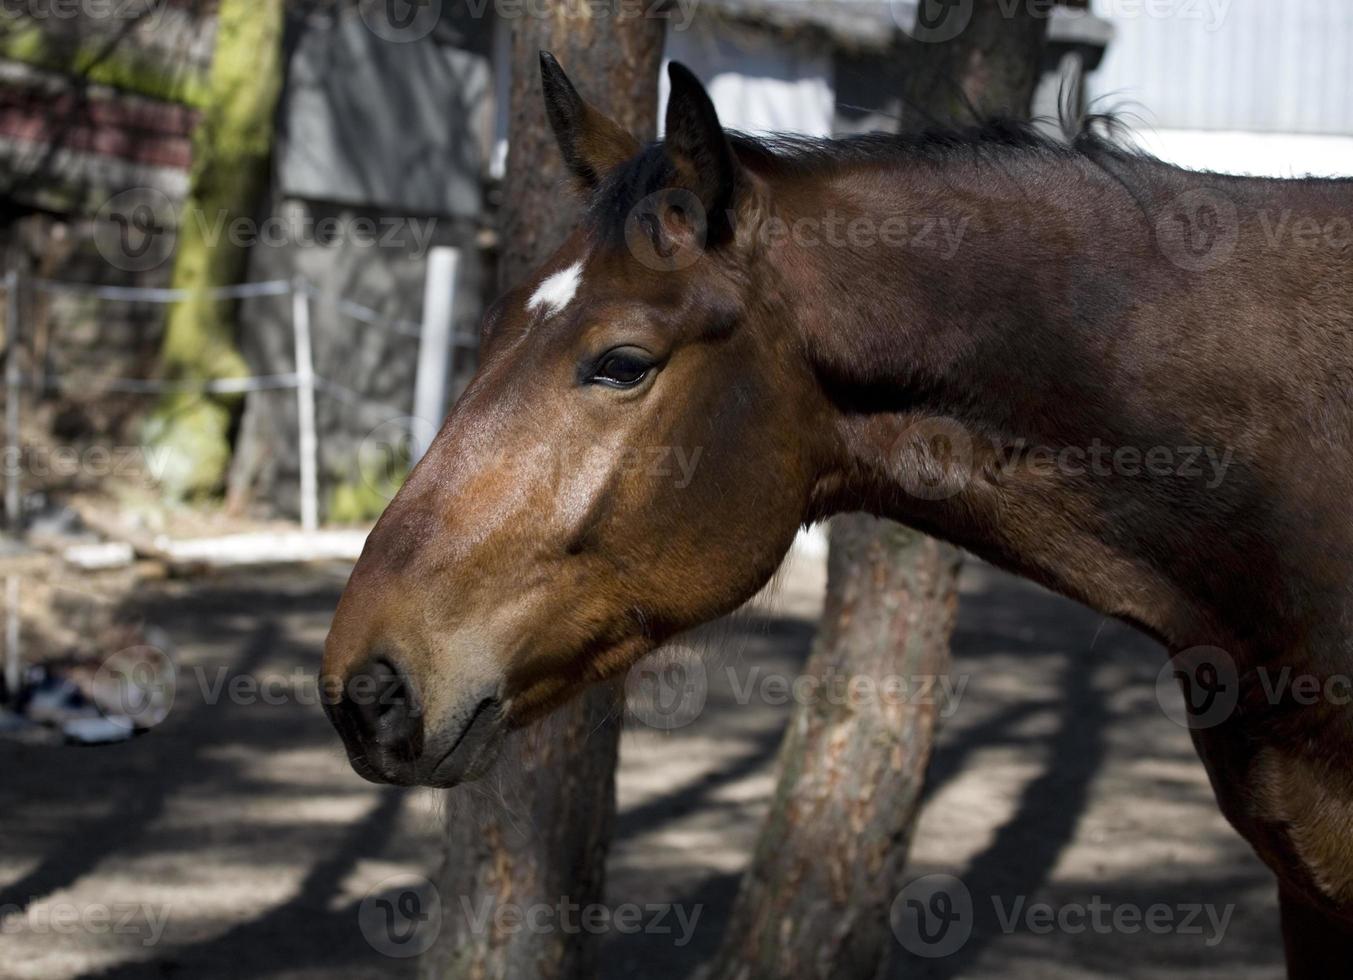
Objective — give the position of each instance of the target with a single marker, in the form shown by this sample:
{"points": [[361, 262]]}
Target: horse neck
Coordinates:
{"points": [[1031, 321]]}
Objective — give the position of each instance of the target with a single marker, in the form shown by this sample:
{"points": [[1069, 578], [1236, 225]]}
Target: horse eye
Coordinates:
{"points": [[621, 369]]}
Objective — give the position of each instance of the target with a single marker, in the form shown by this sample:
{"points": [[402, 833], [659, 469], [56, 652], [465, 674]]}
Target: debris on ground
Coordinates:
{"points": [[91, 672], [96, 557], [266, 548]]}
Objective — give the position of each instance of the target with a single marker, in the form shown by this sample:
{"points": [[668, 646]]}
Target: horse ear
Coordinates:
{"points": [[698, 147], [591, 142]]}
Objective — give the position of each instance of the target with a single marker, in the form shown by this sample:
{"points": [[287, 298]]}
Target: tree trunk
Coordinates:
{"points": [[816, 899], [229, 175], [815, 902], [538, 837], [989, 68]]}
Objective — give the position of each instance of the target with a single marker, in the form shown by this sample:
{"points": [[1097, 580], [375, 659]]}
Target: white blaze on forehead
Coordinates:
{"points": [[556, 291]]}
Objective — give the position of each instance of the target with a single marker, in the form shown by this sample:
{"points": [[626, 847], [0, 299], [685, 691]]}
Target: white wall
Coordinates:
{"points": [[1238, 86], [1259, 154], [1276, 66], [758, 84]]}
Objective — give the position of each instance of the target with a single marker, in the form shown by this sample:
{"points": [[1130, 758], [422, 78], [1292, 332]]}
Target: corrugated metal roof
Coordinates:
{"points": [[1256, 65]]}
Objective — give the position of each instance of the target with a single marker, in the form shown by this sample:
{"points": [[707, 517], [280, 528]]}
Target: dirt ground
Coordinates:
{"points": [[233, 840]]}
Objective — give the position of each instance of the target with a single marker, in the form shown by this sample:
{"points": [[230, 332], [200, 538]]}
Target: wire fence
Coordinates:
{"points": [[437, 344], [436, 361]]}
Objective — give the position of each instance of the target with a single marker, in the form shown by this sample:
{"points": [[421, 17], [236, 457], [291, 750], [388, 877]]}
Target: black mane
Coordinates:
{"points": [[993, 139], [997, 142]]}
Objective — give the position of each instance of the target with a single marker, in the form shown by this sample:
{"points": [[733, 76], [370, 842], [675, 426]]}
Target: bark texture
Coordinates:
{"points": [[538, 833], [989, 68], [815, 902], [828, 862]]}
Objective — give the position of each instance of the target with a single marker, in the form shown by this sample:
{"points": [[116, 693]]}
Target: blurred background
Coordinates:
{"points": [[246, 247]]}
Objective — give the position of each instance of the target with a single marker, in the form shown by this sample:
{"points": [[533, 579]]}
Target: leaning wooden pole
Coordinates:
{"points": [[538, 836], [816, 900]]}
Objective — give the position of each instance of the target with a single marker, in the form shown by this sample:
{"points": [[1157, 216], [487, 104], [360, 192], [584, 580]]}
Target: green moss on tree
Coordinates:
{"points": [[230, 157], [360, 501], [132, 71]]}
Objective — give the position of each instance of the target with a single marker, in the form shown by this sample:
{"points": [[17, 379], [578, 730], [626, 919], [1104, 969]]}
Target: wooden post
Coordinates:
{"points": [[13, 471], [436, 348], [305, 405]]}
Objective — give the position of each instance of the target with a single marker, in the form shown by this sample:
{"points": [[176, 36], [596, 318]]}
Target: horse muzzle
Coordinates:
{"points": [[385, 730]]}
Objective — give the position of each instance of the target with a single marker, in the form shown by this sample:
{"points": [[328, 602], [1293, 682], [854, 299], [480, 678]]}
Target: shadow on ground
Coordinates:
{"points": [[238, 827]]}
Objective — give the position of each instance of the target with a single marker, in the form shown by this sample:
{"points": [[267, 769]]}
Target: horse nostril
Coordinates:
{"points": [[382, 708]]}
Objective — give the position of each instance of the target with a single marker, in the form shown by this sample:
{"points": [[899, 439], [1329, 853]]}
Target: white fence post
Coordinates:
{"points": [[305, 405], [436, 348], [13, 470], [13, 664]]}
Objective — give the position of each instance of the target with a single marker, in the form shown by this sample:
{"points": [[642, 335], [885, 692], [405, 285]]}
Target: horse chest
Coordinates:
{"points": [[1292, 799]]}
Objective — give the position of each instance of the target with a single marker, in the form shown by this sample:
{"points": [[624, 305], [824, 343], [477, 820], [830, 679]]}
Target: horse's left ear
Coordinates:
{"points": [[698, 147], [592, 142]]}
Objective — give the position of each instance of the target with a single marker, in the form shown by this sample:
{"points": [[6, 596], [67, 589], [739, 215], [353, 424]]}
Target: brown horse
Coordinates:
{"points": [[1129, 382]]}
